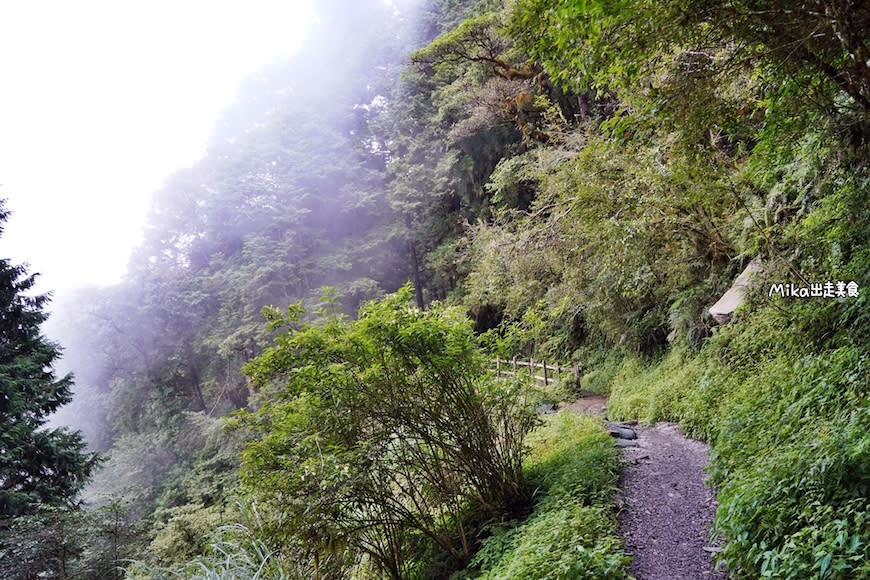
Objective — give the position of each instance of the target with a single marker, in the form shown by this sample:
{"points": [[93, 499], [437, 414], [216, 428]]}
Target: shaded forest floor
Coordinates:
{"points": [[666, 508]]}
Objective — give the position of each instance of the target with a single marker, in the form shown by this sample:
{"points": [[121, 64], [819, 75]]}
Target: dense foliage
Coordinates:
{"points": [[583, 179], [381, 434], [766, 107]]}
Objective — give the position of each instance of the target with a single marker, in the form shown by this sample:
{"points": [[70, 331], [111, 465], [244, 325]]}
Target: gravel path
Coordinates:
{"points": [[591, 403], [666, 508]]}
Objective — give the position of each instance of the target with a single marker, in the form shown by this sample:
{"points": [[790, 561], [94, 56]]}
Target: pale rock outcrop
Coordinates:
{"points": [[736, 295]]}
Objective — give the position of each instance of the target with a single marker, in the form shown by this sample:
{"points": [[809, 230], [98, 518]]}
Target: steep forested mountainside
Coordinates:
{"points": [[286, 199], [326, 171], [581, 179]]}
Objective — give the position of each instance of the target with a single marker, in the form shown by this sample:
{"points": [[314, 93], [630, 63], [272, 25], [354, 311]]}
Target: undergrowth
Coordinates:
{"points": [[789, 426], [574, 467]]}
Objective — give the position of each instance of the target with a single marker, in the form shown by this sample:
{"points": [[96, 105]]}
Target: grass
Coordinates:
{"points": [[599, 378], [675, 388], [574, 467]]}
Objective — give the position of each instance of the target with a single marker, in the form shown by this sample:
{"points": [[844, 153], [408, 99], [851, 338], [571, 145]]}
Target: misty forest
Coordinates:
{"points": [[297, 376]]}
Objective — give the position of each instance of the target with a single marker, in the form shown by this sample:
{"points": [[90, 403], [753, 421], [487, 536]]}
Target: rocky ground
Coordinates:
{"points": [[666, 508]]}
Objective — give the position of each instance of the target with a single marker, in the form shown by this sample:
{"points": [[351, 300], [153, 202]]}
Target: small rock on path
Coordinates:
{"points": [[667, 509]]}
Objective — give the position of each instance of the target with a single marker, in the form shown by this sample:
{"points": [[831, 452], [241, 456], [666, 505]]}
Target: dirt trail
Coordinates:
{"points": [[667, 510]]}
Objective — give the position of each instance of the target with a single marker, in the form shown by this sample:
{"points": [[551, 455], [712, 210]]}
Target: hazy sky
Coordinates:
{"points": [[100, 101]]}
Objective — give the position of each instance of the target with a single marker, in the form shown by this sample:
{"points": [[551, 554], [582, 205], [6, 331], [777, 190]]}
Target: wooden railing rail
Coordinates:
{"points": [[510, 368]]}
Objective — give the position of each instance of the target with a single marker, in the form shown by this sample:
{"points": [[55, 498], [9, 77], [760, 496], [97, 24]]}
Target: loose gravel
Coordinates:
{"points": [[667, 509]]}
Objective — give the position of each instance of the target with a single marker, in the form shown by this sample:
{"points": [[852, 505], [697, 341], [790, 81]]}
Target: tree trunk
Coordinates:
{"points": [[415, 273], [583, 104], [197, 391]]}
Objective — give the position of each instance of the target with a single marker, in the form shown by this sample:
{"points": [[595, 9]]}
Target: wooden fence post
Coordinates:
{"points": [[533, 369]]}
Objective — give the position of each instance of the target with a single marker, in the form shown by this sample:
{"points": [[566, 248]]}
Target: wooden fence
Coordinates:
{"points": [[510, 368]]}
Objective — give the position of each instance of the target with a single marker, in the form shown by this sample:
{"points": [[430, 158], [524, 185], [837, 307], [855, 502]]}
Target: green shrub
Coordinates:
{"points": [[384, 434]]}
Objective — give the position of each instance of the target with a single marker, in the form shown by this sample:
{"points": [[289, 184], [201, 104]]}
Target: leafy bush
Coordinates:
{"points": [[382, 436]]}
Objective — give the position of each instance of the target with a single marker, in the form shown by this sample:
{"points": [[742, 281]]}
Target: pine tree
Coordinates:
{"points": [[37, 465]]}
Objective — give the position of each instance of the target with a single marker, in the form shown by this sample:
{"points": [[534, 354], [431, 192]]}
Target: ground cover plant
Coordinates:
{"points": [[573, 466]]}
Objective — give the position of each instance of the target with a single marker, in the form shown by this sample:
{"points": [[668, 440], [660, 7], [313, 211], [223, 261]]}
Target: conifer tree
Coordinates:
{"points": [[37, 465]]}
